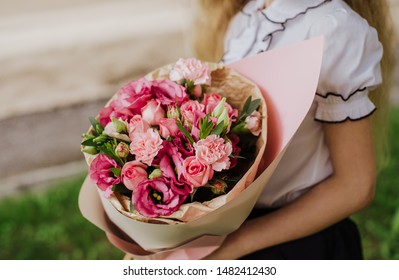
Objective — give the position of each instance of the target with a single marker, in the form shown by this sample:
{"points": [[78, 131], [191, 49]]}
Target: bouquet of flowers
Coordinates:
{"points": [[178, 143]]}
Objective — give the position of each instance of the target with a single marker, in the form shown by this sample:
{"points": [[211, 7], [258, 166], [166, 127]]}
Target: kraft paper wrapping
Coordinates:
{"points": [[236, 89], [287, 78]]}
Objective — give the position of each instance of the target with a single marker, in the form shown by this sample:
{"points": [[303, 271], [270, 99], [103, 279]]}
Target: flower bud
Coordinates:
{"points": [[219, 108], [120, 127], [157, 173], [224, 117], [89, 150], [122, 150], [218, 187], [173, 112], [100, 139]]}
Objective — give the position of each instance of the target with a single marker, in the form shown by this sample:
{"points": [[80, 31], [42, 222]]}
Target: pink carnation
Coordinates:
{"points": [[145, 146], [137, 125], [196, 172], [214, 151], [100, 173], [190, 69], [154, 198]]}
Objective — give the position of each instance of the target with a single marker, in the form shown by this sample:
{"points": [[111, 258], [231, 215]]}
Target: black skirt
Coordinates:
{"points": [[340, 241]]}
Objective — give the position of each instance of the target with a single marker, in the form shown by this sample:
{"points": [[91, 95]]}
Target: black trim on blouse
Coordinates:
{"points": [[339, 95], [270, 35]]}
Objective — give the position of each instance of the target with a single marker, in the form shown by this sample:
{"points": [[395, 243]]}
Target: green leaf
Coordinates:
{"points": [[185, 132], [218, 129], [246, 105], [120, 188], [89, 142], [117, 171], [98, 128], [108, 150], [253, 106]]}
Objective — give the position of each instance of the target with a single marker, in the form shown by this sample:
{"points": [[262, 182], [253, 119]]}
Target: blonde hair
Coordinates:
{"points": [[211, 26]]}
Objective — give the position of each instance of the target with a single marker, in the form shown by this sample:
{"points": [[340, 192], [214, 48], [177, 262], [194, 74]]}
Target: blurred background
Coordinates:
{"points": [[60, 61]]}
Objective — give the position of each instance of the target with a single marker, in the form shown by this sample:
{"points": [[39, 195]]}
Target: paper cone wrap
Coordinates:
{"points": [[287, 78]]}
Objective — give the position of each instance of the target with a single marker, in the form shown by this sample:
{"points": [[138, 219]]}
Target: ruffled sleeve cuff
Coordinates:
{"points": [[334, 108]]}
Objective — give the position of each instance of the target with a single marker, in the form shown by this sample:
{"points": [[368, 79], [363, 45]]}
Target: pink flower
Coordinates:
{"points": [[254, 123], [189, 110], [196, 172], [211, 100], [155, 197], [105, 115], [183, 146], [213, 151], [190, 69], [170, 162], [145, 145], [137, 125], [132, 97], [100, 173], [168, 127], [235, 149], [133, 173], [153, 112], [168, 92]]}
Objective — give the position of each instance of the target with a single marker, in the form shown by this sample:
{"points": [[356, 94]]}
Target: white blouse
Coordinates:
{"points": [[350, 68]]}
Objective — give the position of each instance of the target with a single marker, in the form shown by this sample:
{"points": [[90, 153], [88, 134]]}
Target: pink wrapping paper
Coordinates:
{"points": [[288, 79]]}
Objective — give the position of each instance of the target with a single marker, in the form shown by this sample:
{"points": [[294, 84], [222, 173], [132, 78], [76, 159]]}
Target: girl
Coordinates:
{"points": [[329, 171]]}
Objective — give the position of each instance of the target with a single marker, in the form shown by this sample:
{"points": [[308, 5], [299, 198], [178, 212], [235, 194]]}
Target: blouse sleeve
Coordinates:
{"points": [[350, 68]]}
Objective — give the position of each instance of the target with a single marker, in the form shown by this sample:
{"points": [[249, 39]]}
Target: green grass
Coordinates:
{"points": [[379, 223], [49, 225]]}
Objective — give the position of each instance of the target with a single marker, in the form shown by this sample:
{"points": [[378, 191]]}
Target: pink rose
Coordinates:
{"points": [[190, 69], [155, 197], [133, 173], [168, 127], [145, 145], [213, 151], [100, 173], [189, 110], [153, 112], [196, 172], [137, 125], [168, 92], [254, 123]]}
